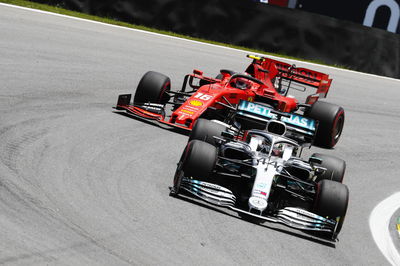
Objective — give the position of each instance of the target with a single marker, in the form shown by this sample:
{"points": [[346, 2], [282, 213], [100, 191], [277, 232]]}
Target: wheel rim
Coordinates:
{"points": [[338, 128]]}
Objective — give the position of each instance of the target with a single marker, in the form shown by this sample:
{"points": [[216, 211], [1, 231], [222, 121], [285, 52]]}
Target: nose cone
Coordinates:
{"points": [[257, 203]]}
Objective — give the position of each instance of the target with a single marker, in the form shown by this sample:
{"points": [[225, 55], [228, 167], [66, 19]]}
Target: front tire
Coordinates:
{"points": [[336, 167], [199, 160], [331, 122], [153, 88], [331, 201], [205, 130]]}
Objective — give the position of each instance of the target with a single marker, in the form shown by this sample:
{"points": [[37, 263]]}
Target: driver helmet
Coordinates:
{"points": [[241, 83], [278, 150]]}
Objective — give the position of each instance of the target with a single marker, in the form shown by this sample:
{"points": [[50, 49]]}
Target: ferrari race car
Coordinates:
{"points": [[265, 81], [261, 177]]}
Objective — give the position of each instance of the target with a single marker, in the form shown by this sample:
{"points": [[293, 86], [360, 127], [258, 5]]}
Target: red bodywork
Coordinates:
{"points": [[219, 94]]}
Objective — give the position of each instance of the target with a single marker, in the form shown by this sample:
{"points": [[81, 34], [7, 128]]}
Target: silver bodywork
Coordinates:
{"points": [[269, 154]]}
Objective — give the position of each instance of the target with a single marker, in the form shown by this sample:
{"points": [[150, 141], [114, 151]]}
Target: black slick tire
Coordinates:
{"points": [[336, 167], [331, 122], [205, 130], [153, 88], [331, 201], [199, 160]]}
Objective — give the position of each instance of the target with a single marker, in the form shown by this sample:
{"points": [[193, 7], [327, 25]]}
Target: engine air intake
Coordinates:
{"points": [[276, 127]]}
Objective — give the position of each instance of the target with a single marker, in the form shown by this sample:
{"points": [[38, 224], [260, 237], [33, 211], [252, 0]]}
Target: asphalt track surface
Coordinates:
{"points": [[81, 185]]}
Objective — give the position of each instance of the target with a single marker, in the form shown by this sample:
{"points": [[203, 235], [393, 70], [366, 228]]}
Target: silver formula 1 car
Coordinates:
{"points": [[261, 176]]}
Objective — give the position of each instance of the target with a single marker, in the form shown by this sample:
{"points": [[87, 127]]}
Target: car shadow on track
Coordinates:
{"points": [[154, 123], [310, 236]]}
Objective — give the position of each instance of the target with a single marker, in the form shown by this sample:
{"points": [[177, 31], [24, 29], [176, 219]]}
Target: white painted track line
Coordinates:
{"points": [[379, 222]]}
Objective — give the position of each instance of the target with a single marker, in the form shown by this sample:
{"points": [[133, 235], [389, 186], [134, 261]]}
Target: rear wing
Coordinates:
{"points": [[256, 116], [318, 80]]}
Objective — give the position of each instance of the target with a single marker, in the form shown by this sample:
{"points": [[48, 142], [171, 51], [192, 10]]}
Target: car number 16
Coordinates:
{"points": [[203, 96]]}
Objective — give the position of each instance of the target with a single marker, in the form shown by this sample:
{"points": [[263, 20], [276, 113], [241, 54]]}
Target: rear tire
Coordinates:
{"points": [[205, 130], [331, 201], [153, 88], [199, 160], [336, 167], [331, 122]]}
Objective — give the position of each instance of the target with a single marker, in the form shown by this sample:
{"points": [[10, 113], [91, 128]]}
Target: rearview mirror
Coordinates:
{"points": [[315, 160], [228, 134]]}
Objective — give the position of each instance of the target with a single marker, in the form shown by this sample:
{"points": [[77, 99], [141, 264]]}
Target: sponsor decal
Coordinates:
{"points": [[307, 216], [203, 96], [259, 193], [196, 103], [191, 108], [152, 108], [301, 213], [307, 75], [250, 99], [187, 112], [372, 9], [382, 14], [154, 105], [261, 185], [210, 185], [264, 111], [258, 203]]}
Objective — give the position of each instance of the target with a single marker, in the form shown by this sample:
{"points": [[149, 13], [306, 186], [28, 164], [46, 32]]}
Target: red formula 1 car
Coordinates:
{"points": [[265, 81]]}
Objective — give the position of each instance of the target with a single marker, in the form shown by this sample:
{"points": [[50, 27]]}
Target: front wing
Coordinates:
{"points": [[153, 112], [290, 216]]}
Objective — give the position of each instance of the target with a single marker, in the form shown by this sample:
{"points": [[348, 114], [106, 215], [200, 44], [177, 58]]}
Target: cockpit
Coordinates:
{"points": [[271, 145], [240, 83]]}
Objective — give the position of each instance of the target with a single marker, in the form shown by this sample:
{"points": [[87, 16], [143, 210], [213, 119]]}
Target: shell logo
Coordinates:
{"points": [[250, 99], [196, 103]]}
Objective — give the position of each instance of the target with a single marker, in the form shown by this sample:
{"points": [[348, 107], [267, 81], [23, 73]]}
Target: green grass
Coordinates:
{"points": [[60, 10]]}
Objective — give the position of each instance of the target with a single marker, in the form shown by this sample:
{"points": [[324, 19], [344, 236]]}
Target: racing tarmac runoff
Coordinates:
{"points": [[81, 185]]}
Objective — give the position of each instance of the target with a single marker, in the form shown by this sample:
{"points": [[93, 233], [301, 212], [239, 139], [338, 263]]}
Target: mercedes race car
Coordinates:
{"points": [[265, 81], [261, 176]]}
